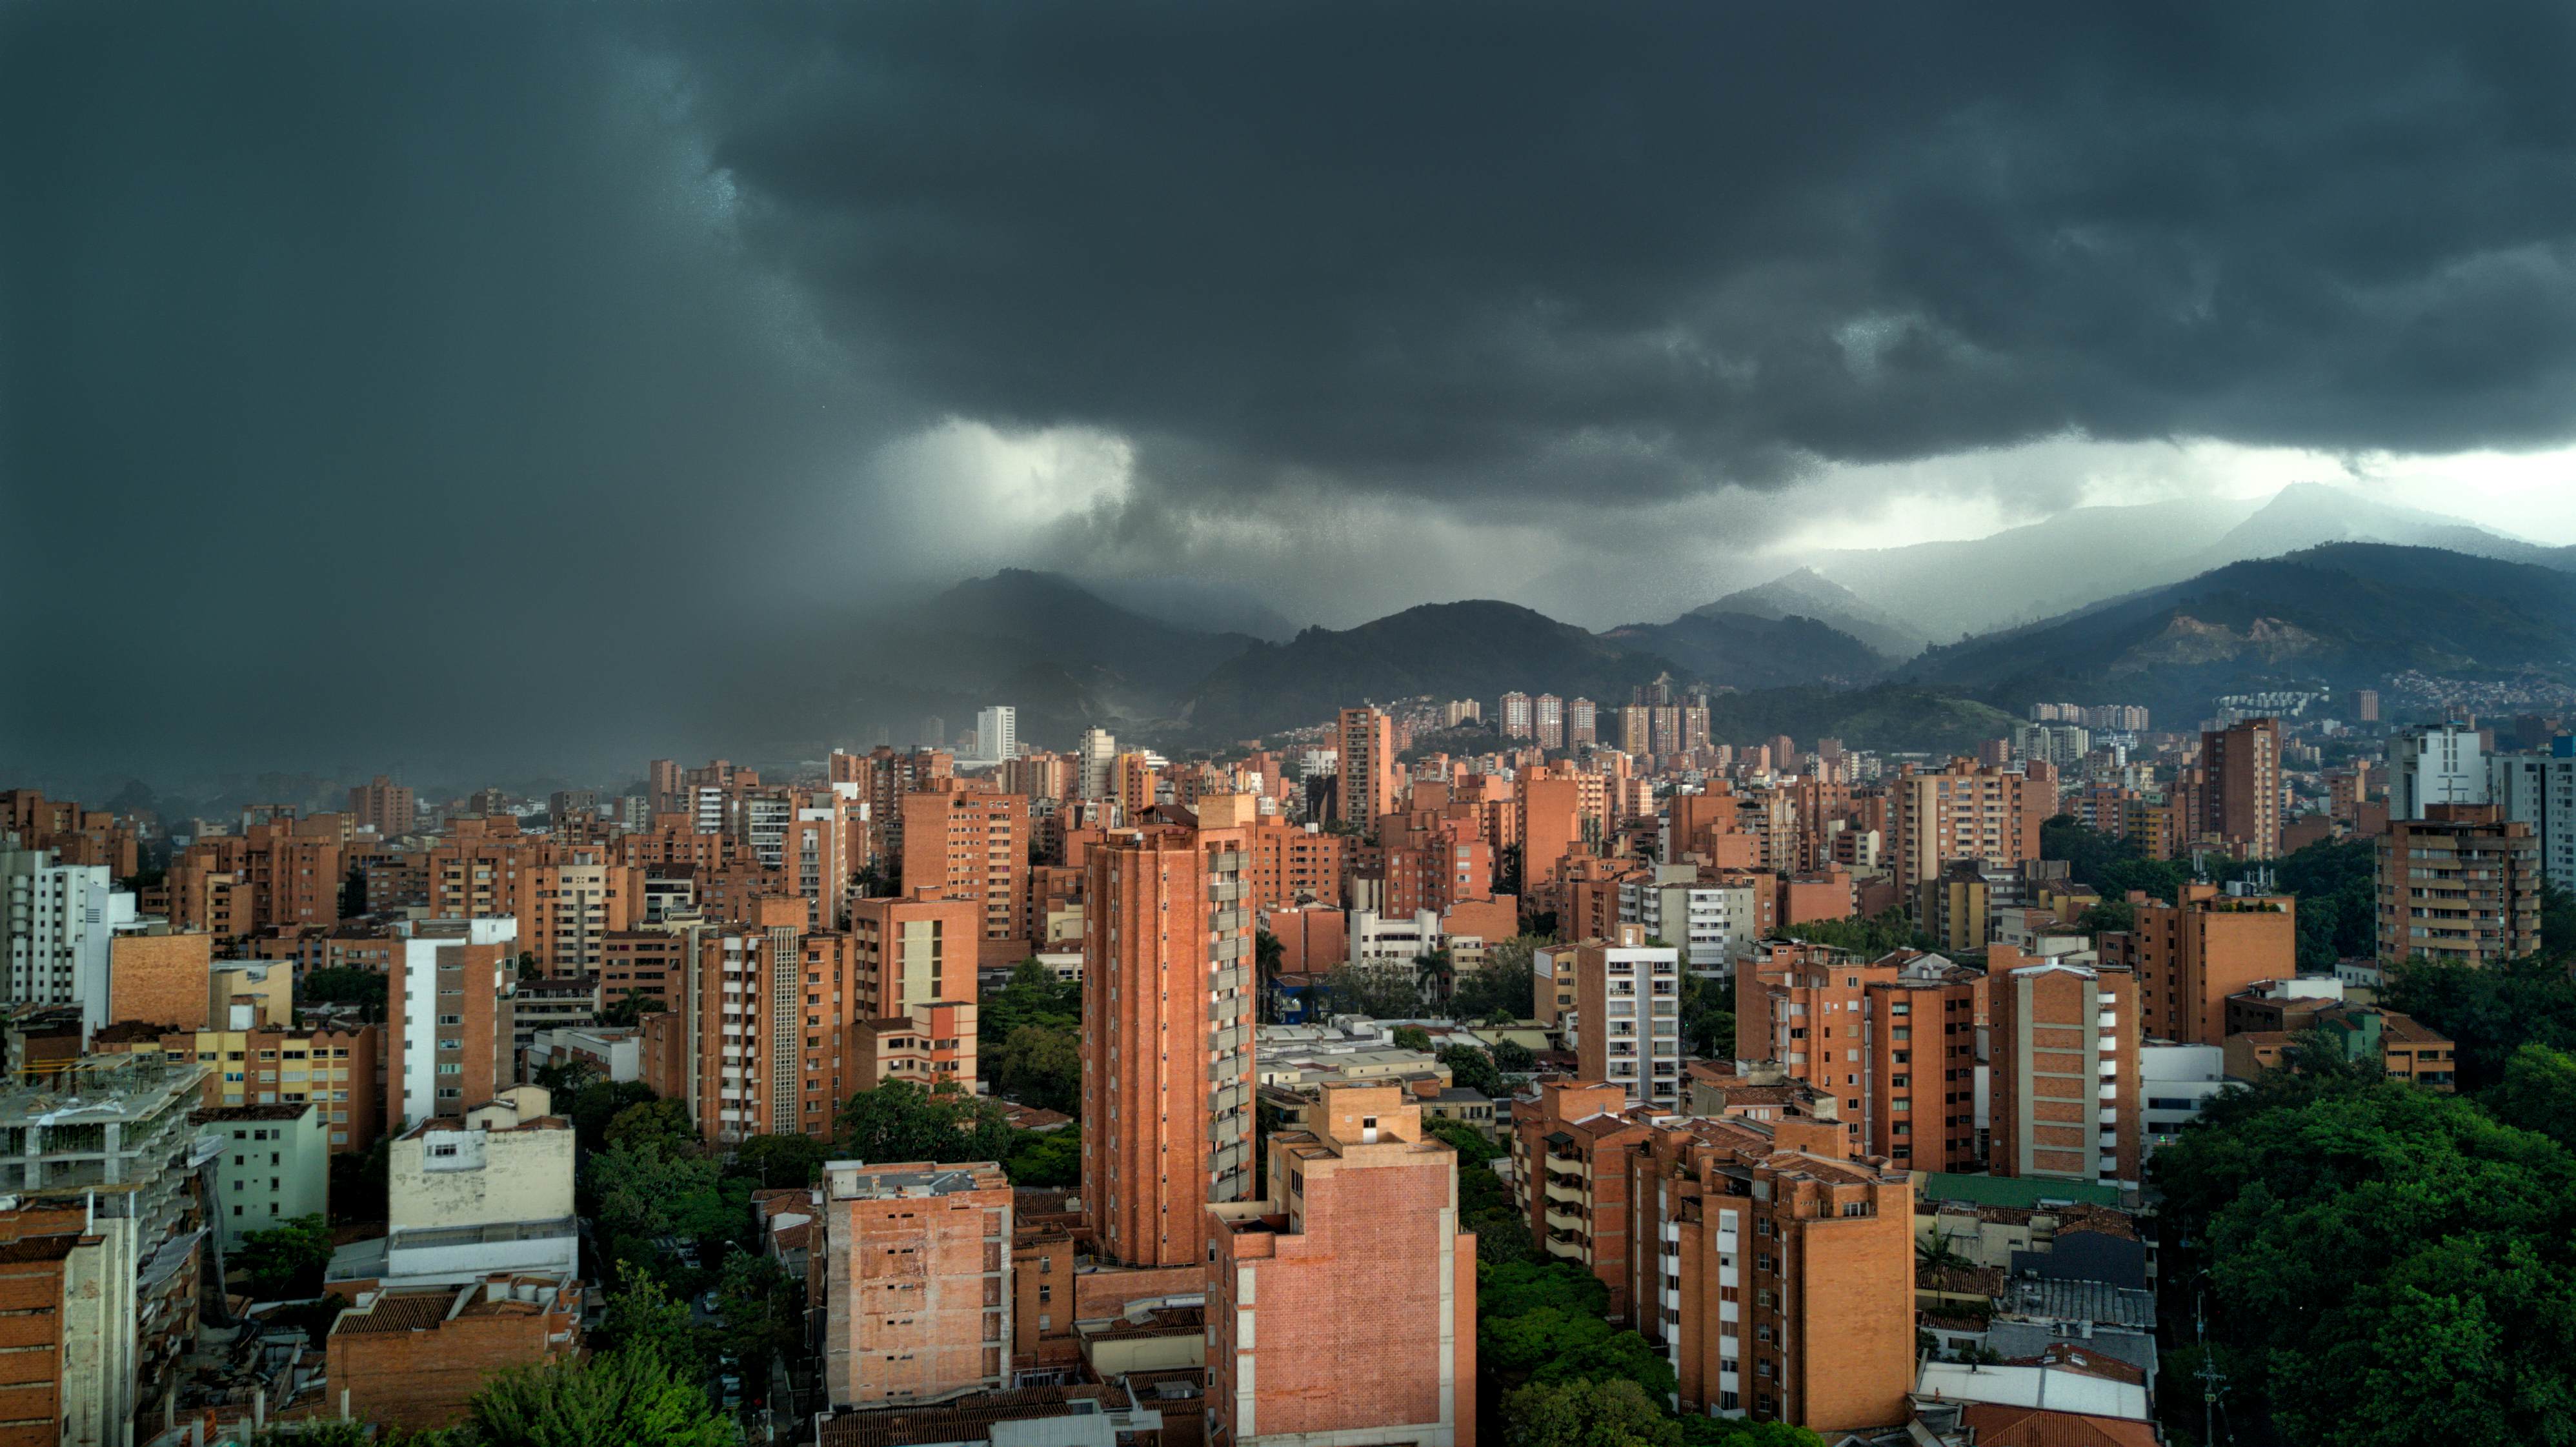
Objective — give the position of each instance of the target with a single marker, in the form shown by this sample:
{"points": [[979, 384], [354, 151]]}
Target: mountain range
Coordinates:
{"points": [[1802, 654], [1950, 590], [2340, 615]]}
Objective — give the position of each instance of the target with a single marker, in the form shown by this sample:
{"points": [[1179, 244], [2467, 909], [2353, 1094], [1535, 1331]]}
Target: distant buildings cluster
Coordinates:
{"points": [[187, 1054]]}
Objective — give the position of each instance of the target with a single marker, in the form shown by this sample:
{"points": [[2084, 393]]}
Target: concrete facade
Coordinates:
{"points": [[275, 1166]]}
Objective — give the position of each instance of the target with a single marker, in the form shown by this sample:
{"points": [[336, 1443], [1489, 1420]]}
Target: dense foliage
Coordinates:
{"points": [[285, 1262], [2386, 1265], [1505, 989]]}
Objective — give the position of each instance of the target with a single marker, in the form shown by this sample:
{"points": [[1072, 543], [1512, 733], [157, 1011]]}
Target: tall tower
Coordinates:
{"points": [[2241, 802], [1167, 1064], [1368, 765]]}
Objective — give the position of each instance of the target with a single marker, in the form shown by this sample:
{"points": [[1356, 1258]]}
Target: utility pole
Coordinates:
{"points": [[2212, 1380]]}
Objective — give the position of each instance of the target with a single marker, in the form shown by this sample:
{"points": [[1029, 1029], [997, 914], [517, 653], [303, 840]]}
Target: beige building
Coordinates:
{"points": [[470, 1196]]}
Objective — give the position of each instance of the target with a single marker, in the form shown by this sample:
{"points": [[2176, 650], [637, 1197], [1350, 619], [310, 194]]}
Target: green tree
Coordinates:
{"points": [[1470, 1068], [2111, 916], [1705, 1431], [1032, 996], [1380, 992], [1513, 1058], [2489, 1011], [359, 1181], [619, 1397], [1586, 1414], [628, 1010], [1412, 1037], [770, 1161], [2388, 1264], [1434, 978], [565, 1081], [763, 1309], [1040, 1065], [286, 1261], [645, 1191], [1505, 989], [1708, 1017], [2537, 1093], [643, 1316], [362, 988], [899, 1121], [1888, 930], [594, 1105], [1045, 1158], [664, 1125]]}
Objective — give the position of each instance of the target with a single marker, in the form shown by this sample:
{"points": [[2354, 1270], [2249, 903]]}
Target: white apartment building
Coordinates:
{"points": [[2435, 765], [56, 920], [1703, 921]]}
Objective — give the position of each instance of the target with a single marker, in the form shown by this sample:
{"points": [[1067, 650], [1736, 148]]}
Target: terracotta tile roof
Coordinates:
{"points": [[2001, 1426], [399, 1311]]}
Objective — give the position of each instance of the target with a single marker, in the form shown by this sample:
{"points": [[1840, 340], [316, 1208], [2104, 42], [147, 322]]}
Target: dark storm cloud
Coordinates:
{"points": [[1451, 249], [381, 379]]}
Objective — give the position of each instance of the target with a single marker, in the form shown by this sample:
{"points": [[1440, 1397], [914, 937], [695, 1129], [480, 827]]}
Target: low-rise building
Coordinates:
{"points": [[487, 1193], [413, 1356], [274, 1167]]}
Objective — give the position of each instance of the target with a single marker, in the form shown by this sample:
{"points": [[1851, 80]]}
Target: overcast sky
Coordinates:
{"points": [[382, 379]]}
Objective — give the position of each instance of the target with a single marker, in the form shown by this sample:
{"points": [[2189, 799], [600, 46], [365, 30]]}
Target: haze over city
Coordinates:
{"points": [[1301, 724]]}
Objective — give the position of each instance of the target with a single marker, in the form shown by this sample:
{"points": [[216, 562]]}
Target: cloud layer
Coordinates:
{"points": [[495, 380]]}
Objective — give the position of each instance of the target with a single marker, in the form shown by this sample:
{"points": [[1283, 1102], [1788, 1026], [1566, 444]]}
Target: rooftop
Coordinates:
{"points": [[968, 1418], [859, 1181], [2010, 1191], [213, 1113]]}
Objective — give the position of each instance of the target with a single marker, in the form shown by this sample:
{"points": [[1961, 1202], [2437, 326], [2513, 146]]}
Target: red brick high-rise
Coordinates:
{"points": [[2189, 956], [1367, 742], [1341, 1307], [973, 845], [1167, 1065], [2064, 1046], [2240, 801]]}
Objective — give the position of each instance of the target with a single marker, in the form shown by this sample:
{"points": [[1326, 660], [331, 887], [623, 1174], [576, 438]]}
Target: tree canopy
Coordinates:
{"points": [[2386, 1264], [899, 1121]]}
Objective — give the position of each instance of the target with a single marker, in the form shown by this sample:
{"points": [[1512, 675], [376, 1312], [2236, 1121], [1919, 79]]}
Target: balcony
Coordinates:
{"points": [[1569, 1247], [1559, 1190], [1564, 1221]]}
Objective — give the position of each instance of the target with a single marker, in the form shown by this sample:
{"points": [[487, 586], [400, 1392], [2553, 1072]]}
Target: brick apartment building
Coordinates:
{"points": [[1964, 813], [413, 1357], [2065, 1097], [973, 846], [914, 1269], [1341, 1307], [1167, 1070], [335, 1070], [2240, 788], [1892, 1040], [2189, 956], [1774, 1268], [390, 809], [1366, 739], [2462, 885], [450, 1036], [1627, 1000]]}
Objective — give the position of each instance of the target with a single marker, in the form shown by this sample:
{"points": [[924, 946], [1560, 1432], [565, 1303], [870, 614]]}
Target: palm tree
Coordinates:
{"points": [[1935, 1253]]}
